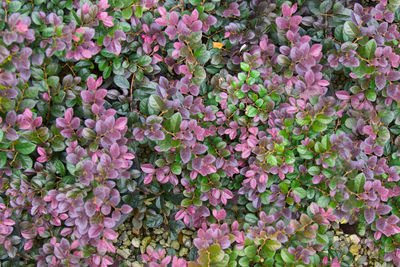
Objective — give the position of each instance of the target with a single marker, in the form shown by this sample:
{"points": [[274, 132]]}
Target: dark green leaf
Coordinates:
{"points": [[121, 82], [154, 221], [156, 103], [3, 159], [25, 148], [144, 60], [251, 251], [127, 13], [286, 256], [351, 29], [273, 245]]}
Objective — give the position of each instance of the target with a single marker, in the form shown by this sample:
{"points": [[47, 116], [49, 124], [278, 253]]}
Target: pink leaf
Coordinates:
{"points": [[148, 178], [286, 10], [148, 168], [110, 234], [343, 95], [369, 215], [161, 22], [281, 23], [380, 81]]}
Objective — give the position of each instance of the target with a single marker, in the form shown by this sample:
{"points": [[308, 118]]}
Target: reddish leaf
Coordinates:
{"points": [[380, 81], [369, 215]]}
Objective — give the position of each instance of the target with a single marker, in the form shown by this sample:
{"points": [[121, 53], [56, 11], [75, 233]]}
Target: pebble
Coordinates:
{"points": [[354, 249], [146, 241], [135, 242], [126, 243], [187, 242], [158, 231], [183, 252], [136, 264], [123, 236], [123, 253], [163, 243], [175, 245], [187, 232], [165, 235], [354, 239]]}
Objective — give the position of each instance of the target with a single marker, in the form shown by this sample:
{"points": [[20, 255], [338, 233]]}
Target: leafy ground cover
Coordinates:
{"points": [[254, 133]]}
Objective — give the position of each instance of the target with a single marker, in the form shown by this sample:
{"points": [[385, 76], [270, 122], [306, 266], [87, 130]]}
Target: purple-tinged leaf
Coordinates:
{"points": [[393, 76], [383, 209], [343, 95], [196, 26], [110, 234], [161, 22], [185, 154], [199, 149], [380, 81], [369, 215], [281, 23], [126, 209], [90, 208], [197, 163], [95, 230]]}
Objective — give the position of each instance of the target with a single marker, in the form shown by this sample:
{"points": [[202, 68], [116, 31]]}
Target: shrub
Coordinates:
{"points": [[262, 124]]}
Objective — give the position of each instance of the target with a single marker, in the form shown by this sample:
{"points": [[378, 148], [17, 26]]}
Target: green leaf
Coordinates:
{"points": [[244, 66], [156, 102], [323, 239], [127, 13], [60, 168], [273, 245], [386, 116], [48, 32], [244, 261], [286, 256], [251, 111], [175, 122], [186, 202], [272, 160], [301, 192], [14, 6], [351, 29], [314, 170], [324, 119], [1, 135], [176, 168], [25, 148], [251, 218], [325, 6], [144, 60], [195, 2], [370, 48], [318, 126], [323, 201], [251, 251], [176, 225], [242, 76], [3, 159], [121, 82], [216, 253], [371, 95], [53, 81], [154, 221], [255, 74], [139, 12]]}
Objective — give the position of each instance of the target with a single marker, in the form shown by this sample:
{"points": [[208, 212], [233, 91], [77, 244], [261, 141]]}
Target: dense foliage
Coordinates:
{"points": [[258, 123]]}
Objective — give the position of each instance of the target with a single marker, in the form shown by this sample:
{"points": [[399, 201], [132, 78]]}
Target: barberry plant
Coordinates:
{"points": [[260, 124]]}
